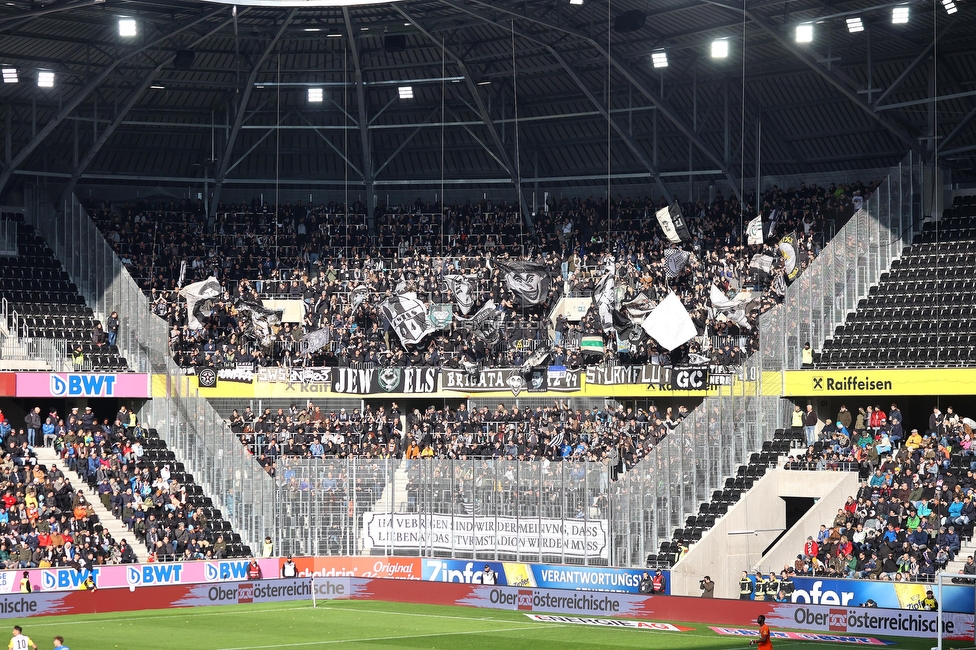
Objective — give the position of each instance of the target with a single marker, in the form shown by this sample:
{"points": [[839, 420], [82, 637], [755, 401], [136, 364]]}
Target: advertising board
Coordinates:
{"points": [[115, 576], [83, 384], [893, 595]]}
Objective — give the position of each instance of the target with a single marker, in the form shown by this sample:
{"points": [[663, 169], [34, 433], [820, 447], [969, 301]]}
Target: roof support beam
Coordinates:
{"points": [[831, 77], [367, 152], [242, 110], [318, 131], [124, 111], [958, 128], [631, 76], [405, 142], [923, 55], [68, 107], [482, 111], [621, 131]]}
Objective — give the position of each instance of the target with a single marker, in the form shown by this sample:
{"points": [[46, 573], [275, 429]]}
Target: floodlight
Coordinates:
{"points": [[950, 6], [720, 48], [659, 59], [45, 79], [804, 33], [406, 92], [127, 27], [899, 15], [315, 95], [10, 76], [854, 25], [575, 2]]}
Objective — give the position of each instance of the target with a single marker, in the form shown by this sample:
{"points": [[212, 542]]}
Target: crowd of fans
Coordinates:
{"points": [[44, 522], [914, 502], [150, 501], [319, 253], [621, 436]]}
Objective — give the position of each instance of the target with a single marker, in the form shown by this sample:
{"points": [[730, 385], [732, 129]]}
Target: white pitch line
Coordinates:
{"points": [[377, 638]]}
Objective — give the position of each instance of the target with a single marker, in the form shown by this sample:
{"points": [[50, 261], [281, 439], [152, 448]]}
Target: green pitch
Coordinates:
{"points": [[362, 624]]}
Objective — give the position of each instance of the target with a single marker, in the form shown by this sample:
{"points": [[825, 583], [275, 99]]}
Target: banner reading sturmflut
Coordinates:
{"points": [[572, 537]]}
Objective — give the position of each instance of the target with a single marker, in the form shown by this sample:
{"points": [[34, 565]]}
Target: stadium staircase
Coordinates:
{"points": [[45, 306], [394, 495], [48, 456], [923, 312], [712, 511], [156, 454]]}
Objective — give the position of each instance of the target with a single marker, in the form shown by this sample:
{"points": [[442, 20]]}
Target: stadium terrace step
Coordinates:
{"points": [[48, 457]]}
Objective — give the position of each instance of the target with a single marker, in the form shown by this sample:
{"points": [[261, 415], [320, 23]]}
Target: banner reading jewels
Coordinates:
{"points": [[574, 538]]}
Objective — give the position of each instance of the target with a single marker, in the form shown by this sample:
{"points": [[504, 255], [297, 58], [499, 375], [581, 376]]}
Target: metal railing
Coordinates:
{"points": [[346, 506], [829, 289], [197, 434], [478, 509]]}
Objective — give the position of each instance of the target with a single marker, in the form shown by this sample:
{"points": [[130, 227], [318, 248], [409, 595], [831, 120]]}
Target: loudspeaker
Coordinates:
{"points": [[395, 43], [629, 21], [184, 59]]}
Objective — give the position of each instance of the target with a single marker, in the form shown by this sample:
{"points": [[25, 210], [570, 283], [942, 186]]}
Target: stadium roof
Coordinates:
{"points": [[196, 93]]}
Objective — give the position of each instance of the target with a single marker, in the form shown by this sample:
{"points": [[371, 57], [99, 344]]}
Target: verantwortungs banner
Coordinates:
{"points": [[570, 537]]}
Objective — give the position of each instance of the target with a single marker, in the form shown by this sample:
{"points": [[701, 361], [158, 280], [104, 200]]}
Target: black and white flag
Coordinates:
{"points": [[637, 309], [358, 296], [530, 281], [673, 224], [603, 296], [536, 359], [261, 320], [462, 289], [179, 283], [199, 298], [316, 340], [675, 261], [779, 285], [408, 318], [754, 231], [485, 324], [762, 263], [789, 251]]}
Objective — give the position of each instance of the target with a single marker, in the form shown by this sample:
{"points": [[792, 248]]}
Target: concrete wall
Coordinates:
{"points": [[737, 541], [834, 488]]}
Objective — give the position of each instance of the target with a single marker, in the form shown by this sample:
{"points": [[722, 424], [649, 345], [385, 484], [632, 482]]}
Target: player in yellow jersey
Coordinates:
{"points": [[20, 641]]}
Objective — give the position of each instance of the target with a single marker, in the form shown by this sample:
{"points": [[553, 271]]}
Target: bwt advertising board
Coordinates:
{"points": [[115, 576], [82, 384], [893, 595]]}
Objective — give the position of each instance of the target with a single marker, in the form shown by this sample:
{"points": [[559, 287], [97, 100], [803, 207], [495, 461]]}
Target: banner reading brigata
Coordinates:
{"points": [[571, 537]]}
